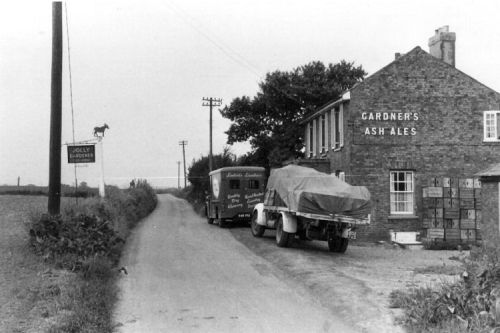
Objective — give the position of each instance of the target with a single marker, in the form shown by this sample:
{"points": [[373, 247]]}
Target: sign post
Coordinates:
{"points": [[101, 182]]}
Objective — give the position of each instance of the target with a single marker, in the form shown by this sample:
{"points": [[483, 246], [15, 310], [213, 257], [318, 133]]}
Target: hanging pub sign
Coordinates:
{"points": [[81, 154]]}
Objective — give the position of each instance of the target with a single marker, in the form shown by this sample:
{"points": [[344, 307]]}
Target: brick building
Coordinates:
{"points": [[411, 125]]}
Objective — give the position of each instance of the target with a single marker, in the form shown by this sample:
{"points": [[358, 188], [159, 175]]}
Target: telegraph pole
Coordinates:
{"points": [[211, 102], [184, 143], [54, 202], [178, 174]]}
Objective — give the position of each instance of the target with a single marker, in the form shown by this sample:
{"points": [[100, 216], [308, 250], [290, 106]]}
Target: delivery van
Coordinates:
{"points": [[234, 192]]}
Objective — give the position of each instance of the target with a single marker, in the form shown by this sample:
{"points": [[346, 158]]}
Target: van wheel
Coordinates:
{"points": [[257, 229], [283, 238]]}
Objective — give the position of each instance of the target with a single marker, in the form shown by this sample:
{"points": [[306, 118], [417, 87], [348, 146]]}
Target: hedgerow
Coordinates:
{"points": [[87, 239]]}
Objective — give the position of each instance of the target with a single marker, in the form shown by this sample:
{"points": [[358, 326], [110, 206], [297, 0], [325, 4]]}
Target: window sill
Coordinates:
{"points": [[403, 217]]}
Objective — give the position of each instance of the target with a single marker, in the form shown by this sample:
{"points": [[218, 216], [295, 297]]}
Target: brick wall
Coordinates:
{"points": [[442, 110], [489, 195]]}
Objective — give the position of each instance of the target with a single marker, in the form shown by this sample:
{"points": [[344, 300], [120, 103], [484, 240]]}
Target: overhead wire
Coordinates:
{"points": [[226, 50], [71, 91]]}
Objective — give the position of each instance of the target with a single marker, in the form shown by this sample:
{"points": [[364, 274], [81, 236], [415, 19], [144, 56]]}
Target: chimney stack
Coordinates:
{"points": [[442, 45]]}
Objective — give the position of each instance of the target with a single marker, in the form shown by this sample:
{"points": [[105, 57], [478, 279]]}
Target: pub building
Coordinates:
{"points": [[414, 133]]}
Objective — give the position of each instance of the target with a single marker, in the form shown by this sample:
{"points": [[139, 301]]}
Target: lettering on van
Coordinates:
{"points": [[230, 206], [254, 195], [244, 175]]}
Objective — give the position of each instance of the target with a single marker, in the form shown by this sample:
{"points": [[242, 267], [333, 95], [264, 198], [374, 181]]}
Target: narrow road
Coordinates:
{"points": [[187, 276]]}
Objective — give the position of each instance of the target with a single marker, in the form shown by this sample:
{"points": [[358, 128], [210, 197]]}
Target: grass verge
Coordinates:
{"points": [[471, 304], [82, 248]]}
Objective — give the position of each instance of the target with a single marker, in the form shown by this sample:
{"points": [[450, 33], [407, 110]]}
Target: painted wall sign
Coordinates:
{"points": [[244, 175], [81, 154], [390, 117]]}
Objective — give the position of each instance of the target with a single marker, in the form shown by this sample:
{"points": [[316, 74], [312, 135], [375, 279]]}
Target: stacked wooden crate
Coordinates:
{"points": [[452, 210]]}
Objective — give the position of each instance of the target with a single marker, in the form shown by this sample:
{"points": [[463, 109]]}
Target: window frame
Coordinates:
{"points": [[496, 131], [393, 194]]}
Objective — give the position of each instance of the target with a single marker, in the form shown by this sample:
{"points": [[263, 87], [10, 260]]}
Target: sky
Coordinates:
{"points": [[143, 67]]}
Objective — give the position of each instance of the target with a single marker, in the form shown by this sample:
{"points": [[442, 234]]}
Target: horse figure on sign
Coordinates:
{"points": [[100, 129]]}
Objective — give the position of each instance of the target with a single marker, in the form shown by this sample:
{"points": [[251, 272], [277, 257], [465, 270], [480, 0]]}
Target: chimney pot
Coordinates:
{"points": [[397, 55]]}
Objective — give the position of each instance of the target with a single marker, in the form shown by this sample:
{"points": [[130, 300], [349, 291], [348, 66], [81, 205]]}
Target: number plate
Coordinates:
{"points": [[351, 234]]}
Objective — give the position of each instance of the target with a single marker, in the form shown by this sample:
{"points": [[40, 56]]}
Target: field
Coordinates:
{"points": [[22, 274]]}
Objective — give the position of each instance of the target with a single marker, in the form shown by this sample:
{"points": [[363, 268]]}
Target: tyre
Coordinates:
{"points": [[210, 220], [222, 223], [257, 230], [283, 238], [337, 244]]}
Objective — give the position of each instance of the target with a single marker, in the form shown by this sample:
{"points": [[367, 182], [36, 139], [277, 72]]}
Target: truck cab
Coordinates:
{"points": [[234, 192]]}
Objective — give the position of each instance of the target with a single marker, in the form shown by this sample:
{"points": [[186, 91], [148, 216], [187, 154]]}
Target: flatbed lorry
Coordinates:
{"points": [[303, 202]]}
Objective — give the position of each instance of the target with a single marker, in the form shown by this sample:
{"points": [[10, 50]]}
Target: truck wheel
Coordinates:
{"points": [[222, 224], [342, 247], [337, 244], [283, 238], [257, 230]]}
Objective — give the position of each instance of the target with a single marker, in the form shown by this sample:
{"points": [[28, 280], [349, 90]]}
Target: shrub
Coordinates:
{"points": [[88, 239]]}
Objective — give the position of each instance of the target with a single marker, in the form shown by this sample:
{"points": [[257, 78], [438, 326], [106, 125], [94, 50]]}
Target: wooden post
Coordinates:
{"points": [[54, 202]]}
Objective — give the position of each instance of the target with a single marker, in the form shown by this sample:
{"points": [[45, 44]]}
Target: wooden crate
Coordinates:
{"points": [[477, 193], [469, 214], [454, 182], [435, 192], [439, 213], [450, 192], [451, 223], [434, 233], [477, 183], [477, 204], [452, 234], [479, 215], [466, 193], [451, 203], [468, 235], [466, 183], [467, 224], [451, 213], [439, 222], [446, 182], [428, 223], [467, 203], [433, 202]]}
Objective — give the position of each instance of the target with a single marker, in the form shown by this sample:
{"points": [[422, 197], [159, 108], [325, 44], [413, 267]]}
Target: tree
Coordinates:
{"points": [[270, 121], [199, 169]]}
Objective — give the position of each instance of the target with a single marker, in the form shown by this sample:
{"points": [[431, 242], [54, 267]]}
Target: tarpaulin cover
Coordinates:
{"points": [[306, 190]]}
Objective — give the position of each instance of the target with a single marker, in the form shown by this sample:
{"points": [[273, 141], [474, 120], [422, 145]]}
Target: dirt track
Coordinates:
{"points": [[187, 276]]}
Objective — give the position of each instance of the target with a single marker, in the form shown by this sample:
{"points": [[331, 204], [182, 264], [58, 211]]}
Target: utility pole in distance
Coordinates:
{"points": [[184, 143], [178, 174], [211, 102], [54, 202]]}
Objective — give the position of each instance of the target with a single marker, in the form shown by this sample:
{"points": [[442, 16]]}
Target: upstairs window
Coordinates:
{"points": [[337, 124], [491, 126], [402, 193]]}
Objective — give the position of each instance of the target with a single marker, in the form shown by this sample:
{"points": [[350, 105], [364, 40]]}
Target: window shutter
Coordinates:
{"points": [[332, 127], [497, 125], [306, 139], [341, 125], [327, 116], [315, 138]]}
